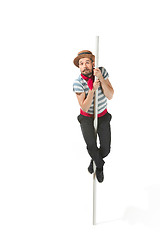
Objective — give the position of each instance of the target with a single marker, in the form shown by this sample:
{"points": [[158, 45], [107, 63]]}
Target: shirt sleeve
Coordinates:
{"points": [[77, 87], [105, 74]]}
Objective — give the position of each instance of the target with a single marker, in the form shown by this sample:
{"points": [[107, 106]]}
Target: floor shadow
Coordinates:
{"points": [[109, 221], [149, 217]]}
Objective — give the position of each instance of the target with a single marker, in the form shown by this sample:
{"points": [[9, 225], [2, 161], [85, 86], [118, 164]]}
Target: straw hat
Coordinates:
{"points": [[83, 54]]}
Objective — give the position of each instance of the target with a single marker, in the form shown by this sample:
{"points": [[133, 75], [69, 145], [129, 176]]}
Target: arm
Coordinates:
{"points": [[106, 85], [85, 103], [107, 88]]}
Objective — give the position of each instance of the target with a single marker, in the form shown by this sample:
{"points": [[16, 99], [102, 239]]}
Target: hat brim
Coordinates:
{"points": [[76, 60]]}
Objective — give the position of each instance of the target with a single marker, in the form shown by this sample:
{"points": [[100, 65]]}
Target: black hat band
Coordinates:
{"points": [[84, 53]]}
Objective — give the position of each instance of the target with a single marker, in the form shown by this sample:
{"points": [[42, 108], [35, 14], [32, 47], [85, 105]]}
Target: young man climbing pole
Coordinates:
{"points": [[84, 87]]}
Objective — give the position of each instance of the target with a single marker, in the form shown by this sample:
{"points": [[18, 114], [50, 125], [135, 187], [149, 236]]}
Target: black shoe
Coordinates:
{"points": [[99, 174], [90, 168]]}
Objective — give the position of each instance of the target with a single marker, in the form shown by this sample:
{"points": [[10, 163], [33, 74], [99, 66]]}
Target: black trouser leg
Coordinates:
{"points": [[88, 132], [104, 133]]}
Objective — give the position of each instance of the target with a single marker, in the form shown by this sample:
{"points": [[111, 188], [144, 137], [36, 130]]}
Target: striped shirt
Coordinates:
{"points": [[80, 85]]}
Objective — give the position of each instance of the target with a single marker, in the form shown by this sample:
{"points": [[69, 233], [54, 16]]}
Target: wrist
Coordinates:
{"points": [[101, 79]]}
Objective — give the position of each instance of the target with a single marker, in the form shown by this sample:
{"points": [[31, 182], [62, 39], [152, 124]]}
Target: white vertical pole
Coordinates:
{"points": [[95, 127]]}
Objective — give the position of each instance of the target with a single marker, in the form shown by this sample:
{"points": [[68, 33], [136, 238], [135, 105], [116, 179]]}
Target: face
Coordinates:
{"points": [[86, 66]]}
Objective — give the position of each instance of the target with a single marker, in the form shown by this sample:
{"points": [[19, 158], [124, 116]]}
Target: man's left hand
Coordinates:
{"points": [[98, 74]]}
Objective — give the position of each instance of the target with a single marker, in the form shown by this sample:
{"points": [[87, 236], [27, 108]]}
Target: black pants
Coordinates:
{"points": [[104, 134]]}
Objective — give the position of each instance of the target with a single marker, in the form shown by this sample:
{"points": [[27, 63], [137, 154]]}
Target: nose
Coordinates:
{"points": [[85, 64]]}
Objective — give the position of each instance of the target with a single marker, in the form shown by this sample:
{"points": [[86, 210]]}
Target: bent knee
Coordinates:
{"points": [[105, 152]]}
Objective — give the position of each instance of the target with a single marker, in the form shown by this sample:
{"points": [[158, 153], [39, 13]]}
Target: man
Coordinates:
{"points": [[85, 87]]}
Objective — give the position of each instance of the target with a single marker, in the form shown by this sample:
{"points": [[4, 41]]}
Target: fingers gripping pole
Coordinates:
{"points": [[95, 127]]}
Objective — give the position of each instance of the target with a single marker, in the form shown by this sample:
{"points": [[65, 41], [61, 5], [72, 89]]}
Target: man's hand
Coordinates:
{"points": [[96, 84], [98, 74]]}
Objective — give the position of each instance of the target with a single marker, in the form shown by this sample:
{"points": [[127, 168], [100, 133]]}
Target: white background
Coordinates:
{"points": [[45, 189]]}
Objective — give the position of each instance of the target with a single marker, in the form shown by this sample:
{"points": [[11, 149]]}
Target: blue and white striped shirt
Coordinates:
{"points": [[80, 85]]}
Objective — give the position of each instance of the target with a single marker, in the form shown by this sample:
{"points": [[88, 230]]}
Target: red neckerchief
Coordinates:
{"points": [[89, 80]]}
